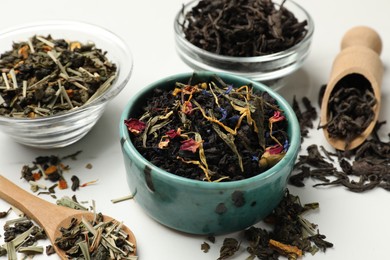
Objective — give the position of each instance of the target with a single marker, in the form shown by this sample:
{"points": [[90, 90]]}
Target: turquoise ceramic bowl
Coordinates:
{"points": [[198, 207]]}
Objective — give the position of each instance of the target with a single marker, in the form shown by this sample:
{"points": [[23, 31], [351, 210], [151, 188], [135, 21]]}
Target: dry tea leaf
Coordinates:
{"points": [[205, 247], [229, 248]]}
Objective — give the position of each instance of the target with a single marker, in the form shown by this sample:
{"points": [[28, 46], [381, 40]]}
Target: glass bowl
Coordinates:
{"points": [[63, 129], [266, 68], [194, 206]]}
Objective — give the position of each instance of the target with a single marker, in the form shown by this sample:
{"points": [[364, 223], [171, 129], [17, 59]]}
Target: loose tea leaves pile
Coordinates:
{"points": [[243, 28], [98, 239], [291, 234], [361, 169], [369, 168], [44, 76], [21, 236], [50, 168], [210, 131]]}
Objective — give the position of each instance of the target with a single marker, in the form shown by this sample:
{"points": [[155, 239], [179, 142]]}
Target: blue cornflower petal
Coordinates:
{"points": [[223, 112], [230, 87], [286, 145]]}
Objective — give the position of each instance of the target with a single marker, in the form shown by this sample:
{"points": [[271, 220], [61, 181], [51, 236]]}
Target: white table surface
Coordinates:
{"points": [[357, 224]]}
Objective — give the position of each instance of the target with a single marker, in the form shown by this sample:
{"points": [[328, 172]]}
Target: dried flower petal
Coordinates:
{"points": [[173, 133], [276, 117], [229, 89], [36, 176], [163, 143], [223, 113], [287, 250], [62, 184], [24, 51], [186, 107], [88, 183], [135, 126], [271, 156], [51, 169], [189, 145], [176, 91], [275, 149]]}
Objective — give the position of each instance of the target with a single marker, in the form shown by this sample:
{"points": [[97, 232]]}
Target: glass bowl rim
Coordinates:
{"points": [[119, 42], [254, 59], [131, 152]]}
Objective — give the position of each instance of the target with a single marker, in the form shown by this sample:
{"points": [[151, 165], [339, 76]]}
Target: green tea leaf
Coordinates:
{"points": [[229, 140]]}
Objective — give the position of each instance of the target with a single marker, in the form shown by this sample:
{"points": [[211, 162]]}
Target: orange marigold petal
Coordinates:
{"points": [[62, 184], [51, 169]]}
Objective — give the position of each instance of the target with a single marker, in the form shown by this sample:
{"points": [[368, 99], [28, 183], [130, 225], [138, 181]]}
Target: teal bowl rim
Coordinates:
{"points": [[137, 158]]}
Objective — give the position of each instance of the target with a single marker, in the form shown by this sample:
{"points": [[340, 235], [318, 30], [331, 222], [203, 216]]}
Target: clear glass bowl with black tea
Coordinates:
{"points": [[261, 40], [56, 80]]}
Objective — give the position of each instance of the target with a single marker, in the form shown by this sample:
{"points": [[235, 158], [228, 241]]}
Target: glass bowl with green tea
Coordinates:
{"points": [[208, 153], [261, 40], [56, 80]]}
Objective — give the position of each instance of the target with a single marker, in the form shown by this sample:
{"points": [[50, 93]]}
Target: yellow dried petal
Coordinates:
{"points": [[75, 45]]}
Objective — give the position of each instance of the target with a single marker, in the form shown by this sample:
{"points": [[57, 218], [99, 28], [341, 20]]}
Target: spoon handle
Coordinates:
{"points": [[44, 213]]}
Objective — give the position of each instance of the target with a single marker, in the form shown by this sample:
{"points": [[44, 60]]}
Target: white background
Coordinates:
{"points": [[357, 224]]}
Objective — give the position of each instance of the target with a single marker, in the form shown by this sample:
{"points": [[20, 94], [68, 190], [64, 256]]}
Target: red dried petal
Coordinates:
{"points": [[187, 107], [135, 126], [189, 145], [275, 149], [173, 133], [276, 117]]}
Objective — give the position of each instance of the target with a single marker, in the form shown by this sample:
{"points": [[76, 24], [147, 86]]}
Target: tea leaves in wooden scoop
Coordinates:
{"points": [[350, 108]]}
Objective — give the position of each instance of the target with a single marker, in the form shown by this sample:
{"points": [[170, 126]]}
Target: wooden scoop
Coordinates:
{"points": [[360, 50], [49, 216]]}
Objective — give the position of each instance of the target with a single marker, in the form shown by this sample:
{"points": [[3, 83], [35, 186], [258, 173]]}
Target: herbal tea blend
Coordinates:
{"points": [[51, 168], [291, 234], [211, 131], [243, 28], [43, 76], [21, 235], [98, 239]]}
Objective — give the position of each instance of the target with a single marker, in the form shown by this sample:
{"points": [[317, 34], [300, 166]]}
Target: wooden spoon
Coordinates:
{"points": [[360, 50], [49, 216]]}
